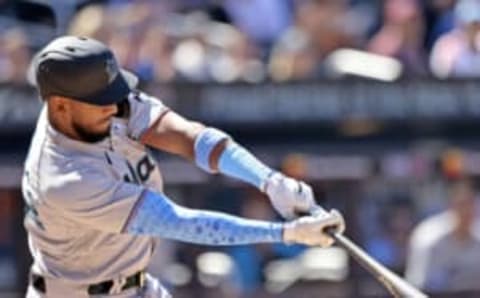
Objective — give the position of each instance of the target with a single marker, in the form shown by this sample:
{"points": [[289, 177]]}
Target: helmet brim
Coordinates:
{"points": [[115, 92]]}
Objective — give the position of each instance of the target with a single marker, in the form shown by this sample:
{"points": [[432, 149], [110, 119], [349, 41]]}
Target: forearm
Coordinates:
{"points": [[215, 151], [156, 215]]}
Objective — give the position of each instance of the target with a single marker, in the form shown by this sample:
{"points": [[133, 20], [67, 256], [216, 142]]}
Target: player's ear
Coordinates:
{"points": [[59, 103]]}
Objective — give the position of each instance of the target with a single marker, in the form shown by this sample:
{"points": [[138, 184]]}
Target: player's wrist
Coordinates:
{"points": [[267, 181], [288, 233]]}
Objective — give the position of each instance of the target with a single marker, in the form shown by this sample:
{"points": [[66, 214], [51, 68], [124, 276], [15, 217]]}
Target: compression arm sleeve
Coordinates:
{"points": [[235, 161], [156, 215]]}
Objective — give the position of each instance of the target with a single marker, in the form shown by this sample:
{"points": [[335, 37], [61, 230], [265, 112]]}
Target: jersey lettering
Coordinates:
{"points": [[145, 168], [141, 172]]}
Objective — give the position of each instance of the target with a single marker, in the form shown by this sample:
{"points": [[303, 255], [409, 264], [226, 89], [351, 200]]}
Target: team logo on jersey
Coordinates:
{"points": [[141, 172], [111, 69]]}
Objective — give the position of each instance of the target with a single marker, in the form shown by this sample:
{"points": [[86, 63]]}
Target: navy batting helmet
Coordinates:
{"points": [[80, 68]]}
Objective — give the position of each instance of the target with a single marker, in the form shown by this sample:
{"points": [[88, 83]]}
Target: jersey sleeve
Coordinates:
{"points": [[144, 111], [89, 196]]}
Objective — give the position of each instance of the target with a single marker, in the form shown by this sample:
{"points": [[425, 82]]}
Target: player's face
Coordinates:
{"points": [[91, 123]]}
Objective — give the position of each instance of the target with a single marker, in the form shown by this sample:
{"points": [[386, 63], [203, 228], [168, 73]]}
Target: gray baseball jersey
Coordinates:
{"points": [[438, 261], [80, 195]]}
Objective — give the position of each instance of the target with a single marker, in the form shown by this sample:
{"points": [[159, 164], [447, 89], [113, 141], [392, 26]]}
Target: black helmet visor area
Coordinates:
{"points": [[82, 69]]}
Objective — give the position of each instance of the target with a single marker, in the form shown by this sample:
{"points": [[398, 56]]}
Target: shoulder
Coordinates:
{"points": [[137, 99], [432, 230], [145, 110], [449, 45], [452, 38]]}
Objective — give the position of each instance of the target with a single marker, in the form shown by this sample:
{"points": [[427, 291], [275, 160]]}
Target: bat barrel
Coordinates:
{"points": [[395, 284]]}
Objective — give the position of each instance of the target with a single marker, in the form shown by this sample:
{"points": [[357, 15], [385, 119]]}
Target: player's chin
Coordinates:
{"points": [[105, 131], [97, 137], [103, 128], [93, 136]]}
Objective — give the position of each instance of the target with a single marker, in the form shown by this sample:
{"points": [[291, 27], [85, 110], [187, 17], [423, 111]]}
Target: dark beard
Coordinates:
{"points": [[89, 137]]}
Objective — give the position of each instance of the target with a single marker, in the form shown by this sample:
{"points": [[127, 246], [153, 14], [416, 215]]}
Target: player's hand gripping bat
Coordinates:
{"points": [[397, 286]]}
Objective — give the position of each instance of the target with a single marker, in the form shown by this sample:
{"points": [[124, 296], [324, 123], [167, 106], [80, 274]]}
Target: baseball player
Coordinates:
{"points": [[94, 194]]}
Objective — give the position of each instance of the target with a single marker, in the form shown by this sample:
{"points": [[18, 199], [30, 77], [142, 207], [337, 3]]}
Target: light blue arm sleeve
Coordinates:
{"points": [[235, 161], [156, 215]]}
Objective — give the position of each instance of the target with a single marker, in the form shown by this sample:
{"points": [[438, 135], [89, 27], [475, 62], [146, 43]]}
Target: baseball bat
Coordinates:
{"points": [[396, 285]]}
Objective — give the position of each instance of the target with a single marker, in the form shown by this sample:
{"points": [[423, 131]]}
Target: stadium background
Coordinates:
{"points": [[369, 101]]}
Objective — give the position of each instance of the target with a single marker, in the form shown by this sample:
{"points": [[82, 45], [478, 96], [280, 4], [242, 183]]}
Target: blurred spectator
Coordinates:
{"points": [[401, 35], [227, 41], [154, 61], [8, 271], [390, 245], [213, 51], [261, 20], [453, 163], [320, 28], [190, 56], [120, 42], [295, 165], [457, 53], [14, 56], [232, 55], [130, 23], [90, 22], [370, 11], [444, 250], [440, 18], [293, 57]]}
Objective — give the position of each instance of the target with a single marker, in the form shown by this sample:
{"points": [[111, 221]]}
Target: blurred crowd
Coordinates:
{"points": [[257, 40]]}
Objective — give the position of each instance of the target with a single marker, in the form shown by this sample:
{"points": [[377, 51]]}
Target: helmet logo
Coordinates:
{"points": [[111, 69]]}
